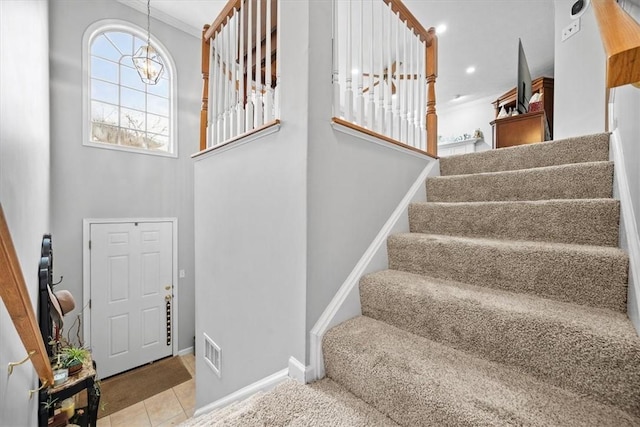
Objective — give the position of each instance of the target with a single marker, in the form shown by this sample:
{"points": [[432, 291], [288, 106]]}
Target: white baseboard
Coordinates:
{"points": [[185, 351], [346, 303], [629, 239], [299, 372], [264, 384]]}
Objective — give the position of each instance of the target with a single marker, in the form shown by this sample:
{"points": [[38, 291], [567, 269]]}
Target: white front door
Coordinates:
{"points": [[131, 294]]}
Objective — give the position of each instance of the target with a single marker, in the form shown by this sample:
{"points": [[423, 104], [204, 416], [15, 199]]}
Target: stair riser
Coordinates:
{"points": [[581, 277], [420, 383], [592, 148], [584, 222], [556, 352], [584, 181]]}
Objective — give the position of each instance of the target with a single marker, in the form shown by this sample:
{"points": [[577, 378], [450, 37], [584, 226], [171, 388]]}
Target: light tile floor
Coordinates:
{"points": [[169, 408]]}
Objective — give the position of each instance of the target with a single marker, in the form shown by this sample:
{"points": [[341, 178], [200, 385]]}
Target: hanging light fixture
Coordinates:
{"points": [[146, 60]]}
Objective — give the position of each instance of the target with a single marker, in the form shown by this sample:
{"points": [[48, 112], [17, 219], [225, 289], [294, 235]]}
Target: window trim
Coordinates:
{"points": [[90, 34]]}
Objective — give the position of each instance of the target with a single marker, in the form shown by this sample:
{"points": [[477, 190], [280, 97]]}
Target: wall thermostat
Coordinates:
{"points": [[578, 8]]}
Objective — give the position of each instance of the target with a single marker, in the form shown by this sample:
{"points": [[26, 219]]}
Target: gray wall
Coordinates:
{"points": [[250, 261], [281, 221], [91, 182], [626, 116], [354, 185], [579, 92], [24, 179], [626, 101], [250, 221]]}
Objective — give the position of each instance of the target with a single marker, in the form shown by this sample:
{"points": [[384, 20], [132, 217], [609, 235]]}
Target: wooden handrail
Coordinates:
{"points": [[412, 21], [227, 12], [621, 38], [15, 295]]}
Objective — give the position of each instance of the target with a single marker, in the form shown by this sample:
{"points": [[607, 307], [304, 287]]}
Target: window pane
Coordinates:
{"points": [[131, 78], [157, 105], [104, 113], [103, 91], [101, 132], [123, 110], [162, 87], [132, 99], [105, 49], [138, 43], [104, 70], [157, 142], [132, 138], [133, 119], [158, 124], [122, 41]]}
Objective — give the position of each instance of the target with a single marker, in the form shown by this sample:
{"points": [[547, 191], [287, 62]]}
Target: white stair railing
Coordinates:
{"points": [[239, 57], [383, 54]]}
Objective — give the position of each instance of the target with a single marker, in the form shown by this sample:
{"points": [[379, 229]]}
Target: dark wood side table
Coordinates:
{"points": [[520, 129], [83, 380]]}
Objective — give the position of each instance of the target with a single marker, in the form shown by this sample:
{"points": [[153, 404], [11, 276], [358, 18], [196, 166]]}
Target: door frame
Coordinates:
{"points": [[86, 272]]}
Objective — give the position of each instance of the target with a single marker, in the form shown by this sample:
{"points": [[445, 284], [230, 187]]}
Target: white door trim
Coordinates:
{"points": [[86, 272]]}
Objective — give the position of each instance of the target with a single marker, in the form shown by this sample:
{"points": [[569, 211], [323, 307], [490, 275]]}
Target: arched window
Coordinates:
{"points": [[121, 111]]}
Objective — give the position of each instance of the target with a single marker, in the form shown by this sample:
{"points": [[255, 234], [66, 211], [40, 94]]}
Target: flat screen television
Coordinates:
{"points": [[524, 81]]}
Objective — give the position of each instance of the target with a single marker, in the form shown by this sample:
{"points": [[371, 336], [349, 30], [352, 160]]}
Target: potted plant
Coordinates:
{"points": [[49, 405], [74, 358]]}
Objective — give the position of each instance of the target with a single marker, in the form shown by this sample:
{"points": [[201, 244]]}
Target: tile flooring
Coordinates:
{"points": [[169, 408]]}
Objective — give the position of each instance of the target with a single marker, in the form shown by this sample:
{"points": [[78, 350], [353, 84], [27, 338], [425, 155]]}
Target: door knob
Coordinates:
{"points": [[167, 298]]}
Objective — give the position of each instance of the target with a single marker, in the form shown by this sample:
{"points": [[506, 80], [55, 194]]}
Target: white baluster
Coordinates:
{"points": [[404, 122], [348, 94], [276, 95], [220, 89], [389, 90], [249, 85], [213, 106], [399, 81], [228, 78], [360, 67], [336, 64], [410, 101], [423, 97], [416, 98], [380, 125], [268, 96], [259, 118], [371, 118]]}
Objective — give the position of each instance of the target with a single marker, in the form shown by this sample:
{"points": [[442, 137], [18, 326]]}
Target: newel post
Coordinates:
{"points": [[432, 73], [206, 49]]}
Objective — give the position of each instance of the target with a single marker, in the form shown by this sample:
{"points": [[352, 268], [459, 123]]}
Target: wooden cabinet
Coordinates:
{"points": [[521, 129], [524, 128]]}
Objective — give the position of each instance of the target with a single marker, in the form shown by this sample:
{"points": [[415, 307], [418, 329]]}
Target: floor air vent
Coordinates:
{"points": [[212, 354]]}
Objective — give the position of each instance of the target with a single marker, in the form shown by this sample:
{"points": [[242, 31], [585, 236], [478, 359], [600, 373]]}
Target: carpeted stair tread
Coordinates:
{"points": [[418, 382], [582, 274], [590, 148], [590, 351], [324, 403], [581, 221], [574, 181]]}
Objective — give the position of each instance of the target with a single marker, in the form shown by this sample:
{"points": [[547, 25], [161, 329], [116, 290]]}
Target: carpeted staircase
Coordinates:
{"points": [[504, 305]]}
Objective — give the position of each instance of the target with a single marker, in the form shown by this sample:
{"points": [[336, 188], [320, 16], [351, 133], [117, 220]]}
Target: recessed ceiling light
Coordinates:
{"points": [[471, 70], [441, 28], [354, 71]]}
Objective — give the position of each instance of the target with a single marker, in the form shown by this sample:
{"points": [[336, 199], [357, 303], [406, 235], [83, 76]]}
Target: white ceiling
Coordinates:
{"points": [[480, 33]]}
